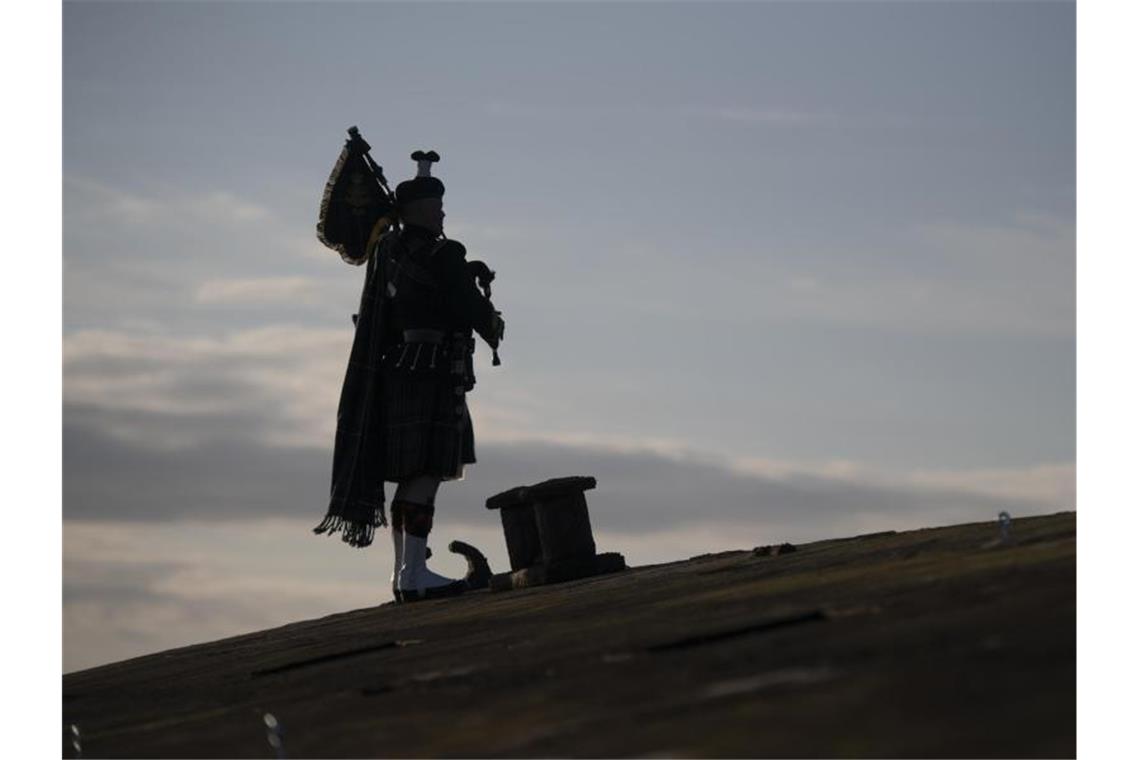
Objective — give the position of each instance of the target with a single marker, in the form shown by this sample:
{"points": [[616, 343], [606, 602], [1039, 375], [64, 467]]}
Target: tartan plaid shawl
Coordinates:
{"points": [[356, 505]]}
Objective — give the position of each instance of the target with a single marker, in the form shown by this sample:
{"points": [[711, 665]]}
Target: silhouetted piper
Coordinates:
{"points": [[403, 415]]}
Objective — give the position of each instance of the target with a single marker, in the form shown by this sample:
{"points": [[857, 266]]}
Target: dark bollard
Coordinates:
{"points": [[548, 534], [521, 531], [564, 528]]}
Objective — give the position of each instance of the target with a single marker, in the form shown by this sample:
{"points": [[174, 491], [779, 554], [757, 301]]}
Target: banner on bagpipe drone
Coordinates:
{"points": [[357, 206]]}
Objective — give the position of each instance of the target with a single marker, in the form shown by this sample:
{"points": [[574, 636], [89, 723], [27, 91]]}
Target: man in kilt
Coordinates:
{"points": [[433, 305]]}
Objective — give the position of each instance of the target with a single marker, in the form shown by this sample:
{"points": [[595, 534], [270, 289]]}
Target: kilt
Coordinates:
{"points": [[427, 426]]}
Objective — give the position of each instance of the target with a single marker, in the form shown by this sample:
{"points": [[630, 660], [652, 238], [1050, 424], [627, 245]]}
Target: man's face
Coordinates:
{"points": [[427, 212]]}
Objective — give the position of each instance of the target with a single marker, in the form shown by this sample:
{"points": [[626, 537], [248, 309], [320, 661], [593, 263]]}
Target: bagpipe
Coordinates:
{"points": [[358, 208]]}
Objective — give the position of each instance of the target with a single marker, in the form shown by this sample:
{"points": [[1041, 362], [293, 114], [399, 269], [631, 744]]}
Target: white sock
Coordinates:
{"points": [[414, 574], [398, 553]]}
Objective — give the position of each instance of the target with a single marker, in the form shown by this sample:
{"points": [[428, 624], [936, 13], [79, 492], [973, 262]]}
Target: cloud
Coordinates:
{"points": [[229, 473], [134, 588], [1048, 484], [926, 306], [92, 203], [947, 278], [770, 117], [197, 259], [222, 206], [773, 116], [257, 290], [240, 424], [1012, 277], [287, 378]]}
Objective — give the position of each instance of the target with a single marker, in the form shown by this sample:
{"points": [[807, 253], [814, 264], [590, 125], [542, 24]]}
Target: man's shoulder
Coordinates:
{"points": [[450, 249], [449, 254]]}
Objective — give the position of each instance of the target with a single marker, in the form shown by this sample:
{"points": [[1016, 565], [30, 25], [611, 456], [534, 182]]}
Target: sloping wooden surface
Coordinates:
{"points": [[931, 643]]}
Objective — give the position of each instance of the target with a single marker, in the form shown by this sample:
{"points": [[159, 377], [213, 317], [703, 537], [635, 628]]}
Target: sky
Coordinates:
{"points": [[770, 272]]}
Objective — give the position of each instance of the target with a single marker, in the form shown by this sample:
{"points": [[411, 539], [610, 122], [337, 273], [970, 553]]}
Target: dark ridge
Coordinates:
{"points": [[296, 664], [864, 536], [967, 650], [716, 636]]}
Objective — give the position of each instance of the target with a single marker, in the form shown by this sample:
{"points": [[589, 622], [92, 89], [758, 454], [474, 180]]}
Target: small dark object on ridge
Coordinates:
{"points": [[478, 571], [769, 551]]}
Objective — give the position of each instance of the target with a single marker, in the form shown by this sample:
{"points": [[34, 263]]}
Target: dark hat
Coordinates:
{"points": [[423, 185]]}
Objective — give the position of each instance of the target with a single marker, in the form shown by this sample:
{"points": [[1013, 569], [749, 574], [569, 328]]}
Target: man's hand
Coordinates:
{"points": [[500, 326], [483, 276]]}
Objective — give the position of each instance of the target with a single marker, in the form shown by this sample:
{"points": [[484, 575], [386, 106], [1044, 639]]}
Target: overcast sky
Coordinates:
{"points": [[770, 272]]}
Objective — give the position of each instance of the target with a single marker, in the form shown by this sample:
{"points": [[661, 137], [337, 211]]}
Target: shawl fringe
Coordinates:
{"points": [[356, 533]]}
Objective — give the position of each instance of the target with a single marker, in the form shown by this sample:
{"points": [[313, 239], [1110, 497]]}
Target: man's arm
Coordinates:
{"points": [[473, 308]]}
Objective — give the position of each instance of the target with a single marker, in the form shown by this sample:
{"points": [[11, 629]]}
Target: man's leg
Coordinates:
{"points": [[416, 500], [397, 542]]}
